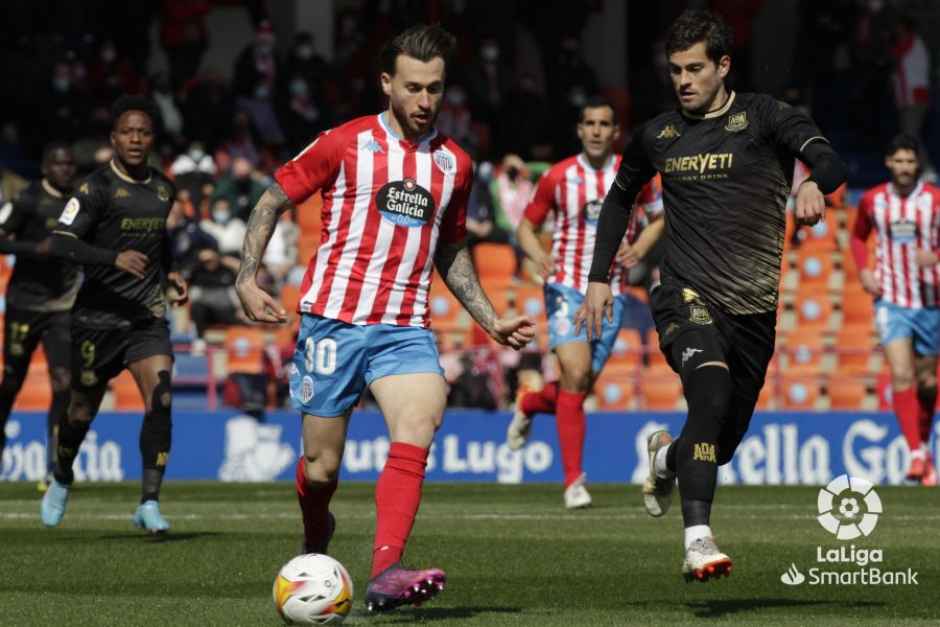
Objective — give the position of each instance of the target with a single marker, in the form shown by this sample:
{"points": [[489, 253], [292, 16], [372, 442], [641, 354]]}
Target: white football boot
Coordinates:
{"points": [[576, 495], [703, 561], [657, 491]]}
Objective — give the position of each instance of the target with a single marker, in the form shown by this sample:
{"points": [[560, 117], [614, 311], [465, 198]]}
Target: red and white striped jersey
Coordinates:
{"points": [[574, 191], [387, 202], [904, 225]]}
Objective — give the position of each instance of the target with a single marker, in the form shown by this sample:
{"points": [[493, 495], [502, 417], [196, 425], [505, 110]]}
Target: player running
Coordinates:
{"points": [[572, 190], [115, 225], [394, 203], [905, 215], [725, 160], [40, 293]]}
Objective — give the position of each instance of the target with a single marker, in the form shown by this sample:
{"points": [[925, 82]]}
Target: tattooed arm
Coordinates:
{"points": [[258, 304], [456, 267]]}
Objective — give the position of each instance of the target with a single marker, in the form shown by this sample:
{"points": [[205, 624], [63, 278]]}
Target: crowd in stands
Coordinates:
{"points": [[512, 104]]}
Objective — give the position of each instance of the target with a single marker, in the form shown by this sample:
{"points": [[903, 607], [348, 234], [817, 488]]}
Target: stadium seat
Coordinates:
{"points": [[290, 295], [813, 312], [655, 356], [531, 301], [799, 392], [846, 393], [857, 308], [615, 389], [309, 214], [627, 349], [494, 262], [822, 236], [815, 269], [244, 346], [661, 393], [854, 346], [36, 393], [803, 352], [766, 400], [126, 395]]}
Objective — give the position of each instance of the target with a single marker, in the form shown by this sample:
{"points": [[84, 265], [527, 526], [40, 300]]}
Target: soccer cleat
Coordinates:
{"points": [[148, 517], [521, 424], [930, 474], [918, 468], [703, 561], [657, 491], [324, 544], [53, 504], [43, 484], [396, 586], [576, 495]]}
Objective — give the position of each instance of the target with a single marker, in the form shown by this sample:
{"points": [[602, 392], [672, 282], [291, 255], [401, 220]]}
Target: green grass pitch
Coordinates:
{"points": [[513, 556]]}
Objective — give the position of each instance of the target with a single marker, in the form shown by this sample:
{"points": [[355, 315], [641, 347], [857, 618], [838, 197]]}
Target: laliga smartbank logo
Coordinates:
{"points": [[848, 508]]}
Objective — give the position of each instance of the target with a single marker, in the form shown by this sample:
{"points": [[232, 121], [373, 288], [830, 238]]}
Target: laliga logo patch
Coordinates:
{"points": [[848, 507], [405, 203], [70, 212]]}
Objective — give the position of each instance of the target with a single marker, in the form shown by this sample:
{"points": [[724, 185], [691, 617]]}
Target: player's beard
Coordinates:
{"points": [[410, 124]]}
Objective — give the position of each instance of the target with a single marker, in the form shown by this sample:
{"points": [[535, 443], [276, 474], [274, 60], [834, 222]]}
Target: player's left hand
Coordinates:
{"points": [[810, 204], [178, 290], [926, 258], [628, 256], [515, 331]]}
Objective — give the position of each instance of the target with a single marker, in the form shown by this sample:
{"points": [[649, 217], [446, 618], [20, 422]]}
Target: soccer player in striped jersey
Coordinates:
{"points": [[394, 204], [905, 216], [573, 190]]}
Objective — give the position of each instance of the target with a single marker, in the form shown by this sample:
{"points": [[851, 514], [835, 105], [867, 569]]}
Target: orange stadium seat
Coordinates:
{"points": [[845, 393], [820, 237], [813, 312], [803, 351], [854, 347], [36, 393], [494, 261], [628, 349], [530, 301], [615, 389], [656, 358], [815, 269], [766, 398], [290, 295], [244, 346], [661, 392], [857, 307], [309, 214], [799, 392], [126, 395]]}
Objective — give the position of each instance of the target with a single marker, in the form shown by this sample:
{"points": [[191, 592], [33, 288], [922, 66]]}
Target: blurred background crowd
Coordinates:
{"points": [[243, 85]]}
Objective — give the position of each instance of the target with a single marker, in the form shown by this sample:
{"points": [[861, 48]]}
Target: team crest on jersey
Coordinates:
{"points": [[163, 193], [405, 203], [699, 315], [89, 378], [83, 189], [592, 211], [373, 146], [306, 389], [669, 132], [120, 192], [737, 122], [70, 212], [444, 161]]}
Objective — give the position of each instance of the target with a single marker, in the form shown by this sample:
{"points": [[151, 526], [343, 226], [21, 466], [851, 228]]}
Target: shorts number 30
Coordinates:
{"points": [[320, 356]]}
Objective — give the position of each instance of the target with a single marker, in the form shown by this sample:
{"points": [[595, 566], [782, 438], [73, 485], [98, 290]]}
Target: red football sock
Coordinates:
{"points": [[541, 402], [571, 429], [925, 418], [397, 496], [314, 505], [907, 409]]}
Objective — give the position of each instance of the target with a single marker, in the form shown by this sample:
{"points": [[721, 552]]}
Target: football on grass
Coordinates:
{"points": [[313, 589]]}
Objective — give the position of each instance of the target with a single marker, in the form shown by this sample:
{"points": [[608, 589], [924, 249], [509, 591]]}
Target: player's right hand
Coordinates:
{"points": [[132, 261], [259, 306], [546, 266], [867, 277], [627, 256], [598, 304]]}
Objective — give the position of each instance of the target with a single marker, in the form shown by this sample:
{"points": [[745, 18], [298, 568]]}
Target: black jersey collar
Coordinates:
{"points": [[717, 113], [127, 178]]}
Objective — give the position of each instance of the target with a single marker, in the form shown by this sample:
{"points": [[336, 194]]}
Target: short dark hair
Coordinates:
{"points": [[903, 141], [127, 103], [598, 101], [694, 26], [52, 146], [422, 42]]}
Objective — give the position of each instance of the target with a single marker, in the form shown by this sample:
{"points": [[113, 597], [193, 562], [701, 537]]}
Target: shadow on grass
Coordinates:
{"points": [[717, 608], [411, 616], [141, 536]]}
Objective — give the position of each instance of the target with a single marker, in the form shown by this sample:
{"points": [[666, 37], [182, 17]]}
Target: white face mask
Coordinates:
{"points": [[221, 216], [304, 52], [489, 52]]}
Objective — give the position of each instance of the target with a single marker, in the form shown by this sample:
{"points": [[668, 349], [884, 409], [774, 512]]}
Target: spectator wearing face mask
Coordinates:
{"points": [[301, 113], [303, 61], [63, 108], [489, 80], [110, 76], [241, 187], [260, 109], [511, 189], [455, 119], [239, 145], [227, 229]]}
